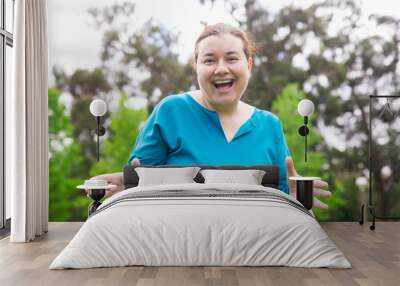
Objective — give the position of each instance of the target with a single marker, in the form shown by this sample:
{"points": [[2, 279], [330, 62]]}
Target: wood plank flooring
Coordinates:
{"points": [[374, 255]]}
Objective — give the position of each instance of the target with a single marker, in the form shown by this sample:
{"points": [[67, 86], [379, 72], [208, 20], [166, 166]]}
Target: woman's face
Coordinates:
{"points": [[223, 71]]}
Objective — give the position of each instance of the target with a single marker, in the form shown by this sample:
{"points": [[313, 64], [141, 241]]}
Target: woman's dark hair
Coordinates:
{"points": [[249, 46]]}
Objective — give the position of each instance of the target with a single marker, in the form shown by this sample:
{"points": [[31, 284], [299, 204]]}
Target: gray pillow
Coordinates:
{"points": [[248, 177], [166, 176]]}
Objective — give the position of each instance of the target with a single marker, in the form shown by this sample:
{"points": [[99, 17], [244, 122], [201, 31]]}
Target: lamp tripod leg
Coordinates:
{"points": [[361, 221], [372, 226]]}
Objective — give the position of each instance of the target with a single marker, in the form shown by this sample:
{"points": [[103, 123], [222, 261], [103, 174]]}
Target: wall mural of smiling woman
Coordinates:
{"points": [[291, 63]]}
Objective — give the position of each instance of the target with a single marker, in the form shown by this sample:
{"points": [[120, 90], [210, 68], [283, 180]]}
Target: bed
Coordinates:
{"points": [[201, 223]]}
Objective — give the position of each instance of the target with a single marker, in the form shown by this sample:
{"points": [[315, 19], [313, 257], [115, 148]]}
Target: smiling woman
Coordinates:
{"points": [[212, 126]]}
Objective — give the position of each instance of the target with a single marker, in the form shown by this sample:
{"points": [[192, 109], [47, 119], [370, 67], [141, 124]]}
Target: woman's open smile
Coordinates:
{"points": [[223, 85]]}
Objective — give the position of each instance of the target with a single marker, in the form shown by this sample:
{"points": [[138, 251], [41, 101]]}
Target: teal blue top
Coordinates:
{"points": [[180, 131]]}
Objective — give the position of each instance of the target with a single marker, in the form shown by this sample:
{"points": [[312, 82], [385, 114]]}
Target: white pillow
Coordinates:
{"points": [[248, 177], [166, 176]]}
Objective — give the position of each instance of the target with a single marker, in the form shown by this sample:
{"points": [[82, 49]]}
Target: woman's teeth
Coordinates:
{"points": [[223, 84], [222, 81]]}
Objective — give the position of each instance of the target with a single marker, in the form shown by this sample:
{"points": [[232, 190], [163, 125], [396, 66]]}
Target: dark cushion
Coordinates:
{"points": [[270, 179]]}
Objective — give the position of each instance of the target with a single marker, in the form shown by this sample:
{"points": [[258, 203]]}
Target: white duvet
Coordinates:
{"points": [[238, 228]]}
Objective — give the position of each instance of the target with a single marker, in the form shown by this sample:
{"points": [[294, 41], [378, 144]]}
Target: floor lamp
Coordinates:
{"points": [[370, 206]]}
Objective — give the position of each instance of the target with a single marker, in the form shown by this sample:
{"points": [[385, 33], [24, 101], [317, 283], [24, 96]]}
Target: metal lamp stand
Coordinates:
{"points": [[370, 206]]}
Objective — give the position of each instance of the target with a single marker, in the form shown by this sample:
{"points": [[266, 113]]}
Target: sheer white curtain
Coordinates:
{"points": [[27, 123]]}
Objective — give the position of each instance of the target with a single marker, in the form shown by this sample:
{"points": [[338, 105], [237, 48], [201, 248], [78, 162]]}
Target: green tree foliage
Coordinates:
{"points": [[285, 107], [66, 203], [328, 52], [122, 133], [149, 51], [84, 85]]}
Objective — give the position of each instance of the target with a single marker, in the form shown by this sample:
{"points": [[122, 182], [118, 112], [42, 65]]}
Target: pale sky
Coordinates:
{"points": [[75, 44]]}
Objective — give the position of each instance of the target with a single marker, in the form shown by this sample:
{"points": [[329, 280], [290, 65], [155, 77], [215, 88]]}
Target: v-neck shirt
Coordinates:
{"points": [[244, 128], [180, 131]]}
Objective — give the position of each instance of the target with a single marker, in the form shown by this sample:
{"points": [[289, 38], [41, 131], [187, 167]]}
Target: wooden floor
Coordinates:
{"points": [[374, 255]]}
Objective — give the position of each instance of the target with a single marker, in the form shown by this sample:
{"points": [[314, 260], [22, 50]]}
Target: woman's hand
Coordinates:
{"points": [[319, 186], [115, 179]]}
